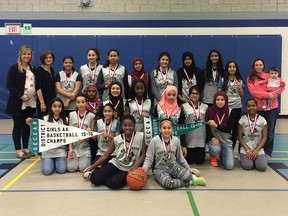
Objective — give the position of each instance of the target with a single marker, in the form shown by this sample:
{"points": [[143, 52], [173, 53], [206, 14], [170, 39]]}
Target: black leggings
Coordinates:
{"points": [[195, 155], [110, 176], [21, 129]]}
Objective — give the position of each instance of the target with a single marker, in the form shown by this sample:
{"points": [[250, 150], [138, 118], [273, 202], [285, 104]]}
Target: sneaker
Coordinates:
{"points": [[213, 161], [86, 175], [195, 171], [198, 181]]}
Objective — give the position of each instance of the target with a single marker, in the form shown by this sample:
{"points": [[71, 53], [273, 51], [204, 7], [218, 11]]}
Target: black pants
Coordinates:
{"points": [[110, 176], [195, 155], [21, 129]]}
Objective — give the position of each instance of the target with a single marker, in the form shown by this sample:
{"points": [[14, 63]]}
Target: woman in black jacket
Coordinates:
{"points": [[22, 99]]}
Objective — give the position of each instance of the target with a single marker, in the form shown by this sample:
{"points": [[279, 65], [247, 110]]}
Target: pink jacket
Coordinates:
{"points": [[258, 91]]}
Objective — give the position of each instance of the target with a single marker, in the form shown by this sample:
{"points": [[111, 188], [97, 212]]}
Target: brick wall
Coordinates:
{"points": [[139, 6]]}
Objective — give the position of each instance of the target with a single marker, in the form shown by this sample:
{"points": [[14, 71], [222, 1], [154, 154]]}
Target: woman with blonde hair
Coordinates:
{"points": [[22, 99]]}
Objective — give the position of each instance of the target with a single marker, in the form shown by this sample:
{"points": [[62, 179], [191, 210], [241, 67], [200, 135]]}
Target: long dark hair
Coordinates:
{"points": [[62, 114], [208, 68], [253, 73], [226, 75], [159, 57]]}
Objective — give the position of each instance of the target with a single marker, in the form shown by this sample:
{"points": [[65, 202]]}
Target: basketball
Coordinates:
{"points": [[136, 179]]}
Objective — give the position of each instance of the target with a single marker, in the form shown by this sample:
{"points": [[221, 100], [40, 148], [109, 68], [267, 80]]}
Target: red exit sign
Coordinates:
{"points": [[13, 28]]}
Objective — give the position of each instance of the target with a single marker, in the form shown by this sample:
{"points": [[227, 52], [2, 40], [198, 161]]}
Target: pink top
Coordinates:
{"points": [[259, 91]]}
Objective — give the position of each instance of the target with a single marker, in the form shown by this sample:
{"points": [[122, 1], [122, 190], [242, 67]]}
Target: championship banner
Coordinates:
{"points": [[47, 135], [151, 127]]}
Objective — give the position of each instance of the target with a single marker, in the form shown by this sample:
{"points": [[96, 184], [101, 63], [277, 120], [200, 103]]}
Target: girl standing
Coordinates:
{"points": [[21, 102], [213, 71], [138, 72], [162, 76], [189, 75], [130, 153], [220, 119], [109, 128], [45, 83], [112, 71], [167, 107], [54, 159], [194, 141], [170, 169], [252, 133], [68, 83], [139, 106], [90, 71], [79, 155], [233, 85], [258, 92]]}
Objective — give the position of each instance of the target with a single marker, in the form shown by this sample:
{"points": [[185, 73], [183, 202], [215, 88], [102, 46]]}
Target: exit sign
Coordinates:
{"points": [[13, 28]]}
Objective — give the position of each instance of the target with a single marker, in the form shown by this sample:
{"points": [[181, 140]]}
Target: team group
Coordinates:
{"points": [[104, 98]]}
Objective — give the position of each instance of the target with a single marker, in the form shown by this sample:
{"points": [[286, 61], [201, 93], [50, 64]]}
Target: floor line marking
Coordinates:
{"points": [[192, 203], [284, 190], [20, 175]]}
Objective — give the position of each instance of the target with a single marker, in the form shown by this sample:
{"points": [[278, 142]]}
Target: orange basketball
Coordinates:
{"points": [[136, 179]]}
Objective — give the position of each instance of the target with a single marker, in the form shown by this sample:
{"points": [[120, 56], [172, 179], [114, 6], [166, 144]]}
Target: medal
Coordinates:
{"points": [[197, 115], [168, 152], [129, 147], [252, 128], [140, 111], [164, 78], [220, 120], [81, 120], [92, 72], [67, 81], [114, 71]]}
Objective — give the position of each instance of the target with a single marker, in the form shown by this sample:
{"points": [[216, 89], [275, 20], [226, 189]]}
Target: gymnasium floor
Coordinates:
{"points": [[25, 191]]}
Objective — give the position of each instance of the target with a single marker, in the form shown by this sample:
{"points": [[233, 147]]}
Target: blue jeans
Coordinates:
{"points": [[48, 165], [226, 154], [271, 118]]}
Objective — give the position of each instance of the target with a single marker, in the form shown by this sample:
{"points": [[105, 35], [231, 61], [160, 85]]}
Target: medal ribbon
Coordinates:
{"points": [[92, 72], [188, 78], [92, 104], [254, 124], [138, 108], [214, 75], [168, 153], [67, 80], [166, 76], [114, 71], [115, 107], [197, 115], [129, 147], [109, 129], [81, 121], [220, 121]]}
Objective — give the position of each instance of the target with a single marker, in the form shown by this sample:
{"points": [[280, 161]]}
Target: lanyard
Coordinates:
{"points": [[129, 147]]}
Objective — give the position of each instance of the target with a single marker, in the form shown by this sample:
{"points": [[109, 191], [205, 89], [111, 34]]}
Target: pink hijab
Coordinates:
{"points": [[166, 105]]}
